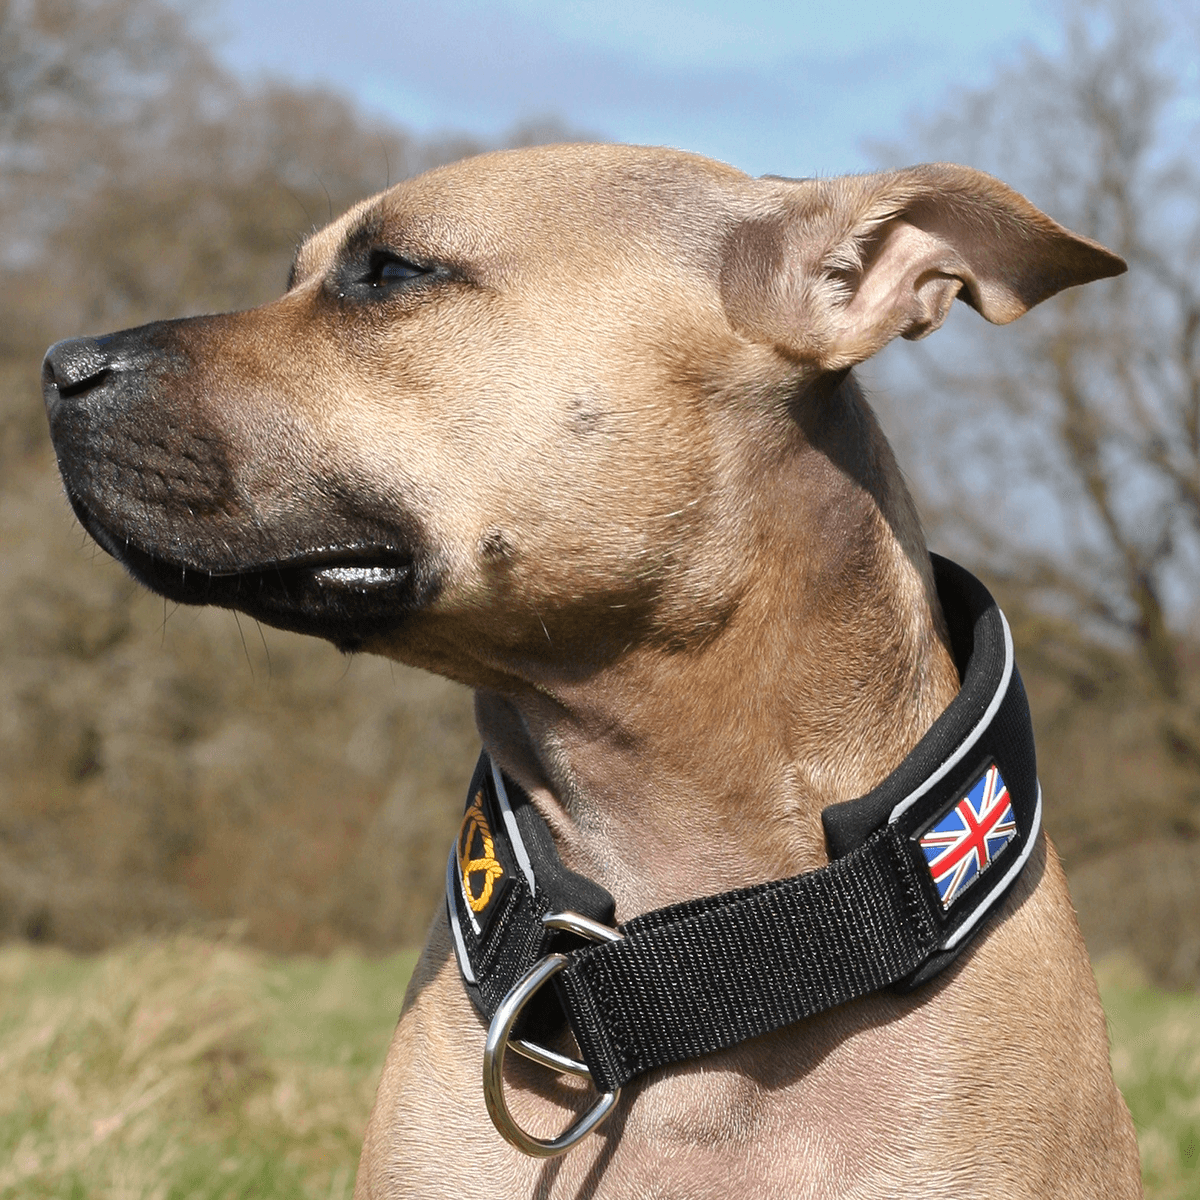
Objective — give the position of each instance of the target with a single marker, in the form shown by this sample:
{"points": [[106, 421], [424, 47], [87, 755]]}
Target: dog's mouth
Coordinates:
{"points": [[356, 575], [346, 593]]}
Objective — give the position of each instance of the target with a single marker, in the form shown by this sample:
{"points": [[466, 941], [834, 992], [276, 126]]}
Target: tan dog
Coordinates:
{"points": [[573, 426]]}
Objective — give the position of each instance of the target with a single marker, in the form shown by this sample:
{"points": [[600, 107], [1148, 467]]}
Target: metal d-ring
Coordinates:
{"points": [[498, 1041]]}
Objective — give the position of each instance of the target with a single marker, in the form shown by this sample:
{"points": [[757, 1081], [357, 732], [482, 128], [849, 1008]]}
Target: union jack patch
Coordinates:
{"points": [[962, 845]]}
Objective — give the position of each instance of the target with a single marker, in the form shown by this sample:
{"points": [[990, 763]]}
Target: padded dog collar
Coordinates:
{"points": [[915, 866]]}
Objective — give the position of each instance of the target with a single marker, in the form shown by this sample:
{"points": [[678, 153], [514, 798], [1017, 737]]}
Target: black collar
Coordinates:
{"points": [[916, 865]]}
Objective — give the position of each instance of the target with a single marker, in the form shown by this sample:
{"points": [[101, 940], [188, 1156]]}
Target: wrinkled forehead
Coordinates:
{"points": [[556, 203]]}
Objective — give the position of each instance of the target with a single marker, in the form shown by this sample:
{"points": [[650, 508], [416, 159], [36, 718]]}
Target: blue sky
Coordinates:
{"points": [[792, 88]]}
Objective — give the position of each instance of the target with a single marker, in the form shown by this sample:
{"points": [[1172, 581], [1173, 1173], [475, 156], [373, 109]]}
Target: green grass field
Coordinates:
{"points": [[1156, 1059], [186, 1069]]}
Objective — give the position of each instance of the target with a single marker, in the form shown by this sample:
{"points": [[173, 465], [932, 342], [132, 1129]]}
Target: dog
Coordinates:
{"points": [[576, 426]]}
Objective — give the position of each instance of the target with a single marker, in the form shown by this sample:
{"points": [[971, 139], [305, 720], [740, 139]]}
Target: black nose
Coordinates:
{"points": [[72, 366]]}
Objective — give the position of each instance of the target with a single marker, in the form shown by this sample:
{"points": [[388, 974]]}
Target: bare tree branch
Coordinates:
{"points": [[1092, 403]]}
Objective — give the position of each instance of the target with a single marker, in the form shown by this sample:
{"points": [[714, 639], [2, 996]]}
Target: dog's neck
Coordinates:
{"points": [[676, 772]]}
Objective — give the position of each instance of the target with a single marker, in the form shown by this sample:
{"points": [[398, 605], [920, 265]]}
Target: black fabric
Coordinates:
{"points": [[558, 887], [511, 937], [696, 977], [977, 640], [980, 645]]}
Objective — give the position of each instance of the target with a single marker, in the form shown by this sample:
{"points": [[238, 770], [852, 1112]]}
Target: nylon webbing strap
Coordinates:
{"points": [[697, 977], [916, 865]]}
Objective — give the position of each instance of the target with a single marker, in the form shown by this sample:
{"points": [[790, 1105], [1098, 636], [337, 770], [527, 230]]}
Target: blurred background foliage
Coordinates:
{"points": [[160, 768], [1060, 457], [197, 1068], [165, 768]]}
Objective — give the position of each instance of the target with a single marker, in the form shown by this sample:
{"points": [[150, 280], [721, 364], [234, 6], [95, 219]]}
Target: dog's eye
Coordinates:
{"points": [[389, 268]]}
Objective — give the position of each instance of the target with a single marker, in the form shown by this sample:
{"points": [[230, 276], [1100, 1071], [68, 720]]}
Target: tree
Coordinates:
{"points": [[1084, 478], [139, 181], [1062, 455], [145, 777]]}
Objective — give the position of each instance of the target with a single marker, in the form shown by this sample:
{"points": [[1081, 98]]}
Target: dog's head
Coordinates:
{"points": [[517, 405]]}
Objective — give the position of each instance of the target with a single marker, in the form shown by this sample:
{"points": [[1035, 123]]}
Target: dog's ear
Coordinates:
{"points": [[832, 270]]}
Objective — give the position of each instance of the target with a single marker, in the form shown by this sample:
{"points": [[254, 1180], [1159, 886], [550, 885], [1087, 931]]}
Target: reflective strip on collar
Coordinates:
{"points": [[969, 742], [510, 824]]}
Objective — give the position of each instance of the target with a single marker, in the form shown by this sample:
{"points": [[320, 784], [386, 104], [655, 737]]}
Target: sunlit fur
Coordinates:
{"points": [[668, 545]]}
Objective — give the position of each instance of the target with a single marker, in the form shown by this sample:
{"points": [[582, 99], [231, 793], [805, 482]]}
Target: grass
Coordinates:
{"points": [[1156, 1059], [192, 1069], [186, 1069]]}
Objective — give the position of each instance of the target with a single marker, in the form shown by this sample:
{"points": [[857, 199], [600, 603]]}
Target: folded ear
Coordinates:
{"points": [[830, 271]]}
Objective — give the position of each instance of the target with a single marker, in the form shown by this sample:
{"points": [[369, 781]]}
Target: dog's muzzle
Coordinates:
{"points": [[206, 502]]}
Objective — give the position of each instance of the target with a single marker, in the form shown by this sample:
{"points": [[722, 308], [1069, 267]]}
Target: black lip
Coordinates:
{"points": [[152, 472], [346, 594]]}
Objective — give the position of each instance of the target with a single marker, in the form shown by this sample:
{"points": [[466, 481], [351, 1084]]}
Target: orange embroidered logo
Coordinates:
{"points": [[477, 857]]}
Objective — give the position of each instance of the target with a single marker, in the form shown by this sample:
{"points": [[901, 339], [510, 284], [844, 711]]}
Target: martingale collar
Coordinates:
{"points": [[915, 866]]}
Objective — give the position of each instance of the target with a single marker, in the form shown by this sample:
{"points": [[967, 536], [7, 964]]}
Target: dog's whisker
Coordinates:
{"points": [[266, 649], [680, 511], [542, 623], [241, 634]]}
